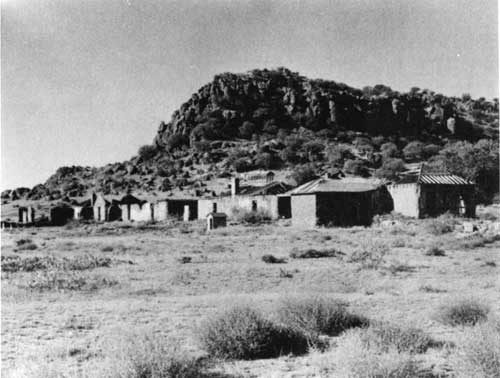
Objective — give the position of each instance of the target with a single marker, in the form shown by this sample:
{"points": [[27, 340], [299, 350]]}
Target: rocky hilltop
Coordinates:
{"points": [[276, 119]]}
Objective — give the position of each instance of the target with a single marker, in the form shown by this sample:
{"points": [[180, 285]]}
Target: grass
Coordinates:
{"points": [[464, 312], [58, 280], [477, 354], [317, 315], [15, 263], [369, 255], [311, 253], [430, 289], [398, 267], [170, 298], [242, 332]]}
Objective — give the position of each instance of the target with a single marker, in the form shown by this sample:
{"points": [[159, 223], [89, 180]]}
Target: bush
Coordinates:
{"points": [[314, 253], [356, 167], [390, 169], [318, 315], [439, 226], [355, 359], [477, 354], [249, 216], [244, 333], [270, 259], [404, 339], [465, 312], [435, 251]]}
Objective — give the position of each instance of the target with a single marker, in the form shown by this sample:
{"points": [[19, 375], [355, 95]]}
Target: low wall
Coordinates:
{"points": [[227, 204]]}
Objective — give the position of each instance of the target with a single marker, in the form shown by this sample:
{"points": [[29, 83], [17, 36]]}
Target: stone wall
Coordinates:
{"points": [[405, 198], [304, 210], [140, 213], [227, 204]]}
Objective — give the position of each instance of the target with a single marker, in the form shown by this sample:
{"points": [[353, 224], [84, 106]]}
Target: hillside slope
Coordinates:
{"points": [[275, 119]]}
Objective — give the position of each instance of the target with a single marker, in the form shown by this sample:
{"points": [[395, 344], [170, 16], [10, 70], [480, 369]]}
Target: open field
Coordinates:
{"points": [[94, 283]]}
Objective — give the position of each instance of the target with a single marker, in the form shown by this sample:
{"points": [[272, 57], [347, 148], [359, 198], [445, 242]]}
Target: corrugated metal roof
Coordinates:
{"points": [[443, 180], [434, 179], [346, 184]]}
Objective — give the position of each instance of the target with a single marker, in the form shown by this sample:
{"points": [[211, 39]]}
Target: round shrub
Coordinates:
{"points": [[466, 312], [317, 315], [244, 333], [403, 339]]}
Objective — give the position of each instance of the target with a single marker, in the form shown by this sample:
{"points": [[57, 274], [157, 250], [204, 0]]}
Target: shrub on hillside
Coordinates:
{"points": [[477, 354], [315, 316], [465, 312], [147, 152], [356, 167], [303, 174], [242, 332], [390, 169]]}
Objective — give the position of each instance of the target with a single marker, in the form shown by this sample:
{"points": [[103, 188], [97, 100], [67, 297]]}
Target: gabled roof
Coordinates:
{"points": [[433, 179], [129, 199], [343, 185]]}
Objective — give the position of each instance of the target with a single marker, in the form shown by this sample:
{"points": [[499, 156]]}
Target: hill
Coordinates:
{"points": [[277, 119]]}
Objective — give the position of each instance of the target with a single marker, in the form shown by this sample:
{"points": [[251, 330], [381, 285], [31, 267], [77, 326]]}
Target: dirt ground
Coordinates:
{"points": [[167, 277]]}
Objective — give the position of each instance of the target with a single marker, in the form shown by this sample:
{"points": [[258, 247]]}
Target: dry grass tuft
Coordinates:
{"points": [[477, 355], [465, 312], [311, 253], [59, 280], [148, 355], [271, 259], [353, 358], [242, 332]]}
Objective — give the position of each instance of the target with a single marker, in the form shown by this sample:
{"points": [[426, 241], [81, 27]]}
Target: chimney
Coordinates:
{"points": [[235, 186]]}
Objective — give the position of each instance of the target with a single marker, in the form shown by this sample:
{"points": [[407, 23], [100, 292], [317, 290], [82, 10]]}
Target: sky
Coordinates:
{"points": [[88, 82]]}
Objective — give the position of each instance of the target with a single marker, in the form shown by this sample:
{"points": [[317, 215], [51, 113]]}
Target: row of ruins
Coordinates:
{"points": [[326, 201]]}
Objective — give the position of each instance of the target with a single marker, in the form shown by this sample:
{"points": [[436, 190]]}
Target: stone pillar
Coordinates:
{"points": [[235, 186], [186, 213]]}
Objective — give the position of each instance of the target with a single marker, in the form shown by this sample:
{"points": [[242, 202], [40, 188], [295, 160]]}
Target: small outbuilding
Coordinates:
{"points": [[336, 202], [427, 195], [216, 220]]}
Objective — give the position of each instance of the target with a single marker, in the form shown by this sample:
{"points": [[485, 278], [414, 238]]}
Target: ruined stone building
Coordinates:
{"points": [[429, 195], [346, 201], [249, 198], [26, 215]]}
